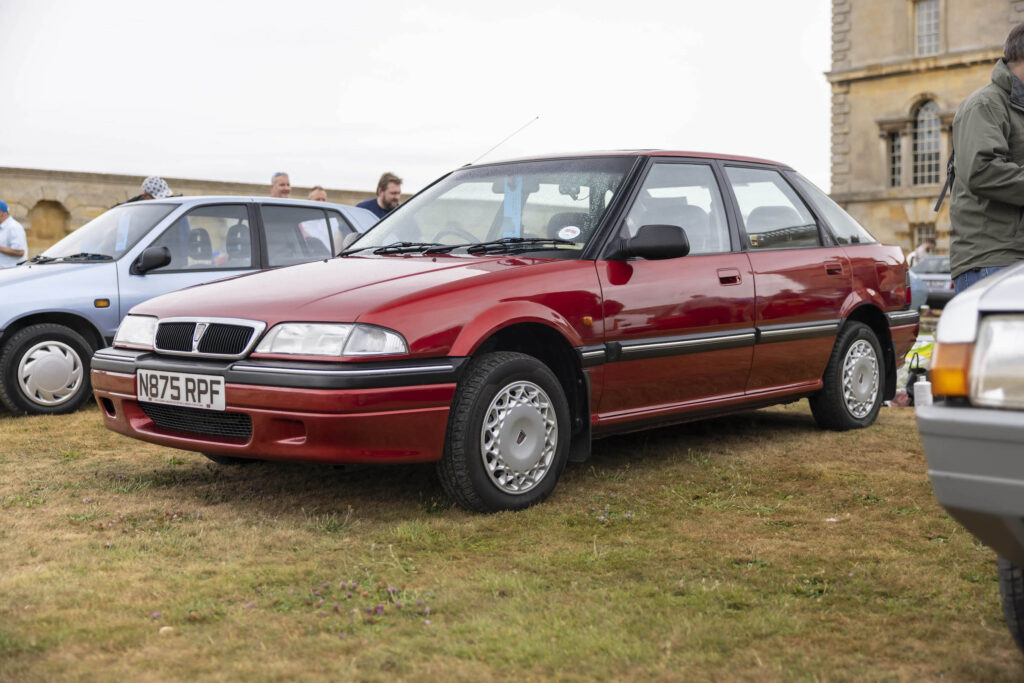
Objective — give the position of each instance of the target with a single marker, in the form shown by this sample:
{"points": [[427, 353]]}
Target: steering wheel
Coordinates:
{"points": [[458, 232]]}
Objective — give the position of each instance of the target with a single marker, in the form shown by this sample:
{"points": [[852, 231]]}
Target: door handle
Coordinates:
{"points": [[729, 276], [834, 267]]}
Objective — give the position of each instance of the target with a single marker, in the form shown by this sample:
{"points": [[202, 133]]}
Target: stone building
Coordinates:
{"points": [[899, 70], [50, 204]]}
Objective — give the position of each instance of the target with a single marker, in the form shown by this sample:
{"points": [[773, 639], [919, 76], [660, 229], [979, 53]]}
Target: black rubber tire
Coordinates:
{"points": [[229, 460], [461, 470], [828, 406], [1011, 592], [13, 396]]}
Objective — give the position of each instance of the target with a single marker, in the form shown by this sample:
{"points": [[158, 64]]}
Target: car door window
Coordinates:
{"points": [[845, 228], [295, 234], [209, 238], [774, 216], [685, 195]]}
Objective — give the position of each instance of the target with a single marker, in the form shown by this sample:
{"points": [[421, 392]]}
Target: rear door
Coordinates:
{"points": [[802, 279], [680, 331]]}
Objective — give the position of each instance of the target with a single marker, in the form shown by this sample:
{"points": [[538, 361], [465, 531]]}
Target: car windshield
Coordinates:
{"points": [[932, 265], [111, 234], [551, 206]]}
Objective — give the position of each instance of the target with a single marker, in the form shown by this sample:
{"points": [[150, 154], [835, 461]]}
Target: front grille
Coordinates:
{"points": [[175, 336], [234, 426], [229, 340], [223, 338]]}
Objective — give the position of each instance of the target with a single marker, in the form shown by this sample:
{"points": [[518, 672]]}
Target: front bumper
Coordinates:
{"points": [[976, 464], [308, 412]]}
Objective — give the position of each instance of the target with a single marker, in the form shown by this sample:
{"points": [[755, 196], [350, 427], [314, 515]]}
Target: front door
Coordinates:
{"points": [[679, 331]]}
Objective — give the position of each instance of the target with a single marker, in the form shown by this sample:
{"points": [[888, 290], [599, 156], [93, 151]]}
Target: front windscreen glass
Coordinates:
{"points": [[549, 207], [111, 234]]}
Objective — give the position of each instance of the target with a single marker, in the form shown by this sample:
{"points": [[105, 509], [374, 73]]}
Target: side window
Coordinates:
{"points": [[773, 215], [686, 195], [339, 229], [846, 229], [295, 234], [209, 237]]}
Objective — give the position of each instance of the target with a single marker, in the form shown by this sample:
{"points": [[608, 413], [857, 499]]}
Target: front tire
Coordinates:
{"points": [[853, 382], [508, 434], [44, 370], [1011, 592]]}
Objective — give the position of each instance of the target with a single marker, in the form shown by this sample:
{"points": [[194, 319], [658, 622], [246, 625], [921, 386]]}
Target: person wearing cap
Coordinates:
{"points": [[280, 186], [153, 187], [13, 246]]}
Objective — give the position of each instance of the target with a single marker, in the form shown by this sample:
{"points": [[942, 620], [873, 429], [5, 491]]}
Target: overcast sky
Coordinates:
{"points": [[337, 92]]}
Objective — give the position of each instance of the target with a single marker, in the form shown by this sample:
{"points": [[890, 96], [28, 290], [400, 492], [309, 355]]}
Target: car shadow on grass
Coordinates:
{"points": [[262, 486]]}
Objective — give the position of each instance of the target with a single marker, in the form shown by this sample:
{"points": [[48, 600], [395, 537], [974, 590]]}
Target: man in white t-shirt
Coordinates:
{"points": [[12, 239]]}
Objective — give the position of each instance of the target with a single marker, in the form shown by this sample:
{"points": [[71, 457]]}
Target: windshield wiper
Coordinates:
{"points": [[40, 258], [393, 248], [86, 256], [517, 244]]}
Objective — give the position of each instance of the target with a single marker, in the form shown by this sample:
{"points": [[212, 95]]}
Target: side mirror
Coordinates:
{"points": [[654, 242], [151, 258]]}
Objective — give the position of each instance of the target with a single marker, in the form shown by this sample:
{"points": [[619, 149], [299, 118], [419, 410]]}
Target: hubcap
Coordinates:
{"points": [[860, 378], [518, 437], [50, 373]]}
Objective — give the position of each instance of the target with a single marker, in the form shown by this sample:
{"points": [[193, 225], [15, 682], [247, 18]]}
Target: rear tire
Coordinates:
{"points": [[508, 434], [853, 382], [44, 370], [1011, 591]]}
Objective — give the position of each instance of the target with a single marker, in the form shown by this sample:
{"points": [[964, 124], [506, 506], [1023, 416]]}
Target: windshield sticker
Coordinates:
{"points": [[512, 220], [569, 232]]}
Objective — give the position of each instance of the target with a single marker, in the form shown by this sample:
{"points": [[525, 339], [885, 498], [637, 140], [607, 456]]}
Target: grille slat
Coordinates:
{"points": [[227, 425], [225, 339], [175, 336]]}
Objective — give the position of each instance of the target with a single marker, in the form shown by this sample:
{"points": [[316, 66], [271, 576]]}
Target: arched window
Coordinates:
{"points": [[927, 140]]}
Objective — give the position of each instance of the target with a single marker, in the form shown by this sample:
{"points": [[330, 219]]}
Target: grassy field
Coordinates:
{"points": [[751, 548]]}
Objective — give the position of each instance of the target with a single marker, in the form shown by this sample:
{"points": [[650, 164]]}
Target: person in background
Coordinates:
{"points": [[389, 194], [987, 196], [153, 187], [13, 246], [318, 194], [926, 248], [280, 185]]}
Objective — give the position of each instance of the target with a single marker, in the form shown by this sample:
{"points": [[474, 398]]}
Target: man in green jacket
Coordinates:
{"points": [[987, 200]]}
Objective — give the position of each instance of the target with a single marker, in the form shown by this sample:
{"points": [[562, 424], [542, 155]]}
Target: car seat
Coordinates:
{"points": [[200, 251], [238, 244]]}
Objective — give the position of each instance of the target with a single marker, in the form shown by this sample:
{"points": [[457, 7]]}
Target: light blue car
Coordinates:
{"points": [[60, 306]]}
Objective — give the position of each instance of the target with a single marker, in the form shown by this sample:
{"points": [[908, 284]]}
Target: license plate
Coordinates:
{"points": [[180, 389]]}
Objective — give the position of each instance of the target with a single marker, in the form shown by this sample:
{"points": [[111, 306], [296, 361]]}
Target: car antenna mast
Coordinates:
{"points": [[516, 132]]}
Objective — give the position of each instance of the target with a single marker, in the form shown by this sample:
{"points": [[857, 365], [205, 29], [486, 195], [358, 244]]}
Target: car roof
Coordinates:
{"points": [[641, 152], [213, 199]]}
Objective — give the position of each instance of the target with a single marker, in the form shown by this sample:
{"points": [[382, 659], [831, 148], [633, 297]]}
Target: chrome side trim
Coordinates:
{"points": [[781, 333], [903, 318], [629, 349]]}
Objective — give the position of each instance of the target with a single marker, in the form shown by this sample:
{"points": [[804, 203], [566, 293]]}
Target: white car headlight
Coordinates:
{"points": [[997, 366], [332, 339], [136, 332]]}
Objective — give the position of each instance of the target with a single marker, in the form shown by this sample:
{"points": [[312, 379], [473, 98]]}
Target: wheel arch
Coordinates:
{"points": [[873, 317], [77, 323]]}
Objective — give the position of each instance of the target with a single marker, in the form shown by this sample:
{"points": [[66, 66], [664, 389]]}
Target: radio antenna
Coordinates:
{"points": [[516, 132]]}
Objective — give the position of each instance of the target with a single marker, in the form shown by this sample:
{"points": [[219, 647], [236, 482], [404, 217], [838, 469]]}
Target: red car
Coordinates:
{"points": [[510, 313]]}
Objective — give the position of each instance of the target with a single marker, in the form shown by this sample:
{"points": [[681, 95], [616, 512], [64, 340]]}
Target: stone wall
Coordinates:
{"points": [[51, 204]]}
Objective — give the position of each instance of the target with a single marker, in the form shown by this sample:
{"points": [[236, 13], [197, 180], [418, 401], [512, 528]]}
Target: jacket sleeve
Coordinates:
{"points": [[983, 156]]}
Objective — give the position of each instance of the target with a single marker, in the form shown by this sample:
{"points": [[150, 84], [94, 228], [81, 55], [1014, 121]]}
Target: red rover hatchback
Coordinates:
{"points": [[510, 313]]}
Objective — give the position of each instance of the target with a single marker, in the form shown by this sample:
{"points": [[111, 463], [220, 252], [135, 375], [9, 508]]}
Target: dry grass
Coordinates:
{"points": [[754, 547]]}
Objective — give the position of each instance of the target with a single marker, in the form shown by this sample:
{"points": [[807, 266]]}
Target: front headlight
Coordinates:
{"points": [[332, 339], [997, 367], [136, 332]]}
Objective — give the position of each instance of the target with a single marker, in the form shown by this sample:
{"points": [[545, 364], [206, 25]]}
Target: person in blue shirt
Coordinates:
{"points": [[389, 194]]}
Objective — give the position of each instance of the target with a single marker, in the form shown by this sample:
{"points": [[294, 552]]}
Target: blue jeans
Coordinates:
{"points": [[968, 278]]}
